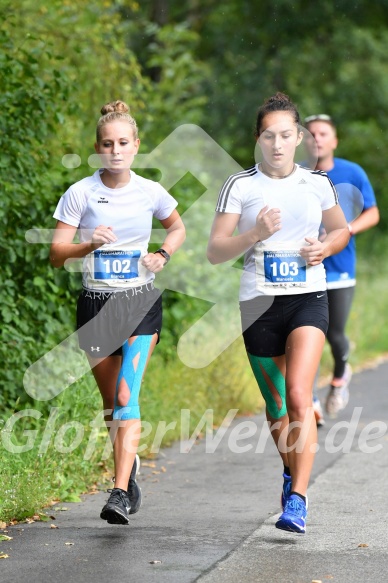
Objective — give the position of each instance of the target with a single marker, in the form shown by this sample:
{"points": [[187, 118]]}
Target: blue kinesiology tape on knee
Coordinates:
{"points": [[132, 369], [261, 365]]}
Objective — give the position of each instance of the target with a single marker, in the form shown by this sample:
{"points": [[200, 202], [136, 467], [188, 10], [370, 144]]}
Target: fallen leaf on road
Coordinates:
{"points": [[29, 520], [148, 465], [363, 545], [155, 562], [156, 472], [163, 469], [4, 556], [316, 581], [69, 544], [53, 526], [3, 525], [5, 537]]}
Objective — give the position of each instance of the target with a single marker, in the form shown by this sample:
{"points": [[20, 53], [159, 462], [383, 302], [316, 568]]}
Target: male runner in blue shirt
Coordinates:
{"points": [[358, 200]]}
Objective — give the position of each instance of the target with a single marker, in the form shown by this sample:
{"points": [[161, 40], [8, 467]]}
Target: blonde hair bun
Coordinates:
{"points": [[116, 111], [115, 107]]}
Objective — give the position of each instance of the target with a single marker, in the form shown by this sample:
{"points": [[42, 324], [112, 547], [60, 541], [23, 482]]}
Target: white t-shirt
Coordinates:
{"points": [[129, 211], [274, 266]]}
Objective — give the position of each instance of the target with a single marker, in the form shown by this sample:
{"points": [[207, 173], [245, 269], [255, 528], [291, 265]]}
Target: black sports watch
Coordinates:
{"points": [[166, 255]]}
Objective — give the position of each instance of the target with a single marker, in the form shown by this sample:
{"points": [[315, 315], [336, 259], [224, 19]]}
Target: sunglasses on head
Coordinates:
{"points": [[319, 117]]}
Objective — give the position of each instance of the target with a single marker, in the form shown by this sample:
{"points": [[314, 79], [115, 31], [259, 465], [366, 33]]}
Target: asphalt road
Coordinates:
{"points": [[208, 516]]}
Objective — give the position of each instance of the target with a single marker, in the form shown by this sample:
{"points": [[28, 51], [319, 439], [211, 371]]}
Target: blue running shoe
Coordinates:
{"points": [[286, 490], [294, 516]]}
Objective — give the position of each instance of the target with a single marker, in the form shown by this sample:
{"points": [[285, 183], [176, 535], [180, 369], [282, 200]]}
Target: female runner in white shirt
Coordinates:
{"points": [[277, 207], [119, 312]]}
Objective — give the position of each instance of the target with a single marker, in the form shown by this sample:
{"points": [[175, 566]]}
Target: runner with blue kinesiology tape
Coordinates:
{"points": [[119, 312]]}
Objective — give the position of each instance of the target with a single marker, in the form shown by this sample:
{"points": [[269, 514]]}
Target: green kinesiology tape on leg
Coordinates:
{"points": [[262, 365]]}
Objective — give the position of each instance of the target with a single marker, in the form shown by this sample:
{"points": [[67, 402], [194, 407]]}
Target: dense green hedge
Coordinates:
{"points": [[31, 295]]}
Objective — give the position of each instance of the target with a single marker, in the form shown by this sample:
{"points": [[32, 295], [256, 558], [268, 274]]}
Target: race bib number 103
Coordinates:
{"points": [[284, 267], [118, 264]]}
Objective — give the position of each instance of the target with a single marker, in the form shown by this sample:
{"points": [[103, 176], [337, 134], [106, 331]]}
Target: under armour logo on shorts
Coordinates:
{"points": [[93, 349]]}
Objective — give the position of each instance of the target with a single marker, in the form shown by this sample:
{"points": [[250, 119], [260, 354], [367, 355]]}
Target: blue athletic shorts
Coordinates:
{"points": [[106, 319], [266, 329]]}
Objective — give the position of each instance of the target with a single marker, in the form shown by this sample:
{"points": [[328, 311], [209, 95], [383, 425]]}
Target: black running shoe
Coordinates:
{"points": [[117, 509], [134, 492]]}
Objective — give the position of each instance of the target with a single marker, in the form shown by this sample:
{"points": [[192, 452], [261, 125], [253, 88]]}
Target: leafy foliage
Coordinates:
{"points": [[30, 294]]}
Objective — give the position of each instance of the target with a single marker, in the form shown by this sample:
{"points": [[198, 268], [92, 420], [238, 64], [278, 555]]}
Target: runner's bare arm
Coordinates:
{"points": [[367, 219], [336, 239], [63, 248], [223, 245], [176, 234]]}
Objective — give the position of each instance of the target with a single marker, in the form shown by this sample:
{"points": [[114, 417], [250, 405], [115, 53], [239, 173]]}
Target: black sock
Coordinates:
{"points": [[286, 470], [300, 496]]}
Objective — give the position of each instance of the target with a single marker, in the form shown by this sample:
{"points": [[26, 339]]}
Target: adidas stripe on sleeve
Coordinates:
{"points": [[227, 201]]}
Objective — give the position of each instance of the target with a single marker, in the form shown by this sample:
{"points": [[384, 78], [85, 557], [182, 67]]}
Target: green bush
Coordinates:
{"points": [[30, 294]]}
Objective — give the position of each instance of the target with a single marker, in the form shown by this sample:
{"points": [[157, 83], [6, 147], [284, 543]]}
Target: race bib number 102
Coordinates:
{"points": [[116, 264], [284, 267]]}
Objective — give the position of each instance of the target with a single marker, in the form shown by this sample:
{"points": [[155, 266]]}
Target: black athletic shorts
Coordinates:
{"points": [[106, 319], [266, 328]]}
